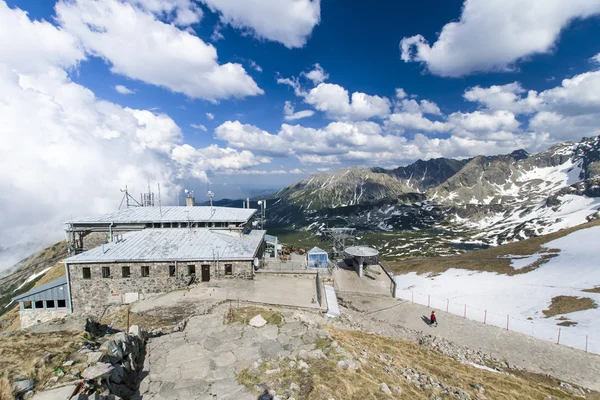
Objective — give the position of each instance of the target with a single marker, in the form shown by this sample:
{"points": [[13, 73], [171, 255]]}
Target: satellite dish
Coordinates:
{"points": [[186, 191], [259, 202]]}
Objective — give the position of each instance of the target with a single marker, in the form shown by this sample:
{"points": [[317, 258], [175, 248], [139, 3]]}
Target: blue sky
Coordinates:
{"points": [[258, 94]]}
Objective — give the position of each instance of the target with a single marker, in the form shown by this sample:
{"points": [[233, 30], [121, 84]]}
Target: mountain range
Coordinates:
{"points": [[498, 199]]}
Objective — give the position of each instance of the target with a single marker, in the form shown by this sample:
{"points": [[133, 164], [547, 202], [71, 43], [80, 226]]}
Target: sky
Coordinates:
{"points": [[249, 95]]}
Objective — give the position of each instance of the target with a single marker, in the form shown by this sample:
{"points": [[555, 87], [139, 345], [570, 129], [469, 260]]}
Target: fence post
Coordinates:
{"points": [[558, 340], [428, 300], [484, 316], [507, 321], [465, 314], [447, 304]]}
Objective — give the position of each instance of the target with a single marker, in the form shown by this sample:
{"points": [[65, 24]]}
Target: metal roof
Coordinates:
{"points": [[38, 292], [145, 215], [175, 244], [316, 250], [361, 251], [270, 239]]}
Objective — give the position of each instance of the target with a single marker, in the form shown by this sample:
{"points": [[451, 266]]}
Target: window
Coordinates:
{"points": [[27, 305], [228, 269], [106, 272], [61, 303], [87, 273], [49, 303], [191, 270], [126, 271], [39, 304], [145, 272], [171, 271]]}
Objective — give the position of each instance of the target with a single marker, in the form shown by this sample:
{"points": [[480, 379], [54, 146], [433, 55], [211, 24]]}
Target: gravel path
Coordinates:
{"points": [[535, 355]]}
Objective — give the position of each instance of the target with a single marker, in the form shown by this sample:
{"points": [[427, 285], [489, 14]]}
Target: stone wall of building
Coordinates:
{"points": [[34, 317], [93, 295]]}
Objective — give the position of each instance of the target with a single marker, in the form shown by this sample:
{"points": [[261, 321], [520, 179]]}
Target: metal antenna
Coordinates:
{"points": [[159, 203], [210, 197]]}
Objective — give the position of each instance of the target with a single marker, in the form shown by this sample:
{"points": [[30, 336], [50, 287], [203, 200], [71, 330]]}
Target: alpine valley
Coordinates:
{"points": [[445, 206]]}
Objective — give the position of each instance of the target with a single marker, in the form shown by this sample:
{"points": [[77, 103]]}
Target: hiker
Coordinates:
{"points": [[433, 319]]}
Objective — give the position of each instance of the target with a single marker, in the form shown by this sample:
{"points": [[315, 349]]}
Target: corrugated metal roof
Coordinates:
{"points": [[171, 214], [270, 239], [176, 244], [43, 288]]}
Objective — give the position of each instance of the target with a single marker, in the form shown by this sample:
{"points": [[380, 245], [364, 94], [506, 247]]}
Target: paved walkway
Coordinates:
{"points": [[277, 290], [536, 355], [375, 281], [202, 361]]}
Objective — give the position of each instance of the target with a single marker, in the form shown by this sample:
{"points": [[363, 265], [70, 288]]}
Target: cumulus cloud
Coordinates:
{"points": [[335, 101], [400, 93], [76, 150], [174, 58], [123, 89], [289, 22], [494, 34], [180, 12], [290, 115], [316, 75], [504, 97]]}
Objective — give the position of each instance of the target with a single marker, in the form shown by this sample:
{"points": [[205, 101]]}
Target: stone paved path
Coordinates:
{"points": [[203, 360], [534, 354]]}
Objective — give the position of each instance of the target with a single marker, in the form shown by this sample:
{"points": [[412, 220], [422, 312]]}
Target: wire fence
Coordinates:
{"points": [[559, 334]]}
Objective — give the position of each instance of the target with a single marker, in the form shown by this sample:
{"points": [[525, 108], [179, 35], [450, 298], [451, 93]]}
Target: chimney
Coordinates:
{"points": [[190, 201], [247, 202]]}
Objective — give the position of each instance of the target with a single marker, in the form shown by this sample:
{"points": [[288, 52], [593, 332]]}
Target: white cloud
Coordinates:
{"points": [[400, 93], [335, 102], [290, 115], [123, 89], [199, 126], [416, 121], [295, 171], [256, 67], [498, 124], [180, 12], [173, 58], [289, 22], [76, 145], [316, 75], [210, 116], [494, 34], [294, 83], [504, 97], [596, 59]]}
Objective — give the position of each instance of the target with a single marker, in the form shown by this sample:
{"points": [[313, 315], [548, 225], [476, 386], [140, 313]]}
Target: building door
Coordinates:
{"points": [[205, 273]]}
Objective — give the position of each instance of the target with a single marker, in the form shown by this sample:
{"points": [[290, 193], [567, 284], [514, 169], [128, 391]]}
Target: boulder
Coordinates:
{"points": [[258, 321], [385, 389], [100, 370], [23, 385]]}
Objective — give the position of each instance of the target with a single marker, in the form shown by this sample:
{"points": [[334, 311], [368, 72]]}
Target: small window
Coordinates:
{"points": [[87, 273], [49, 303], [39, 304], [145, 272], [228, 269], [106, 272], [171, 271], [27, 305], [126, 272], [61, 303], [191, 270]]}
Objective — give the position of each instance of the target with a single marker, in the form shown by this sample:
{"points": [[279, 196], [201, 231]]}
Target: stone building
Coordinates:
{"points": [[44, 303], [150, 261]]}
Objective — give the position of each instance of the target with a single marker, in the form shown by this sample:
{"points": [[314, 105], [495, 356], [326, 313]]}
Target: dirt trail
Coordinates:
{"points": [[535, 355]]}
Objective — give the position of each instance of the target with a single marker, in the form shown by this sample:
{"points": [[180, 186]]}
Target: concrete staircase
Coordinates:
{"points": [[333, 310]]}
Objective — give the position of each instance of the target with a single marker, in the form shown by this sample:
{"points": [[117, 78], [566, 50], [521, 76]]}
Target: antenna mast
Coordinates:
{"points": [[159, 203]]}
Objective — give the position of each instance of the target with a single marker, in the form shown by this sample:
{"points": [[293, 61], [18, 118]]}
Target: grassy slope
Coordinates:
{"points": [[325, 379], [488, 259]]}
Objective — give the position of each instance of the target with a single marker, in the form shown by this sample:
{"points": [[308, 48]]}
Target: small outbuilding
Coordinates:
{"points": [[317, 258], [44, 303]]}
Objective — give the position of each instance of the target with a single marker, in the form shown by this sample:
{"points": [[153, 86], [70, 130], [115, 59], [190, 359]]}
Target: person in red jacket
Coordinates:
{"points": [[433, 319]]}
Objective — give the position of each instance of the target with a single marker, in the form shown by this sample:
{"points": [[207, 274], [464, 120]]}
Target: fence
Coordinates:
{"points": [[285, 266], [558, 334], [393, 284]]}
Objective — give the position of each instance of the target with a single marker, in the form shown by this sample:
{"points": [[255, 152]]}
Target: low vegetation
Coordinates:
{"points": [[34, 355], [594, 290], [243, 315], [384, 360], [494, 259], [568, 304]]}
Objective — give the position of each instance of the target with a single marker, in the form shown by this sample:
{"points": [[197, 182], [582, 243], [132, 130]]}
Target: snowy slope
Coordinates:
{"points": [[522, 297]]}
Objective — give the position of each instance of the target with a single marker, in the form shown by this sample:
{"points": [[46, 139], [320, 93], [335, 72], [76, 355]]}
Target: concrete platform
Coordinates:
{"points": [[375, 281], [294, 291]]}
